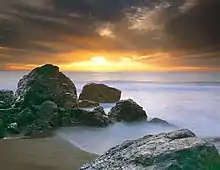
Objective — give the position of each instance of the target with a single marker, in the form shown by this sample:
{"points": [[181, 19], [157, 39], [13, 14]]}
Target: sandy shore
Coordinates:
{"points": [[41, 154]]}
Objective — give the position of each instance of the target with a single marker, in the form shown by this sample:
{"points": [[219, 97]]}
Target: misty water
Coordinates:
{"points": [[185, 99]]}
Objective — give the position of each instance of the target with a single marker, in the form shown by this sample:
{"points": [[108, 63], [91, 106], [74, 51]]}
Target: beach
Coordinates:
{"points": [[44, 154]]}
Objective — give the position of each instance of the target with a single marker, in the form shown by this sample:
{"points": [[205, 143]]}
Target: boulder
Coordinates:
{"points": [[87, 104], [6, 99], [128, 111], [49, 112], [96, 117], [48, 108], [178, 150], [100, 93], [46, 83]]}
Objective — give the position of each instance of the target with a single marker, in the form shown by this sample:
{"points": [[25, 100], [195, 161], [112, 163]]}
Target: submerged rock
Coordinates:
{"points": [[46, 83], [178, 150], [160, 122], [100, 93], [96, 117], [128, 111], [6, 99], [87, 104]]}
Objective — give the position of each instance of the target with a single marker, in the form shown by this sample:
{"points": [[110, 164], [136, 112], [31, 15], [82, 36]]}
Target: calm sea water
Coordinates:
{"points": [[186, 99]]}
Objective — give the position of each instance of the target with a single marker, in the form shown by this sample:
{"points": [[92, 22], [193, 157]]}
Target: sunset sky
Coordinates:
{"points": [[110, 35]]}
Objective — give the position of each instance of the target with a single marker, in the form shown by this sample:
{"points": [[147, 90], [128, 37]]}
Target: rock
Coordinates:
{"points": [[96, 117], [128, 111], [2, 129], [87, 104], [49, 112], [46, 83], [178, 150], [100, 93], [48, 108], [159, 121], [6, 99]]}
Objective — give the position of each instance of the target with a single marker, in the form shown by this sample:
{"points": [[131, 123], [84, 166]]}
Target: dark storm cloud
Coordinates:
{"points": [[197, 31], [30, 28], [198, 27]]}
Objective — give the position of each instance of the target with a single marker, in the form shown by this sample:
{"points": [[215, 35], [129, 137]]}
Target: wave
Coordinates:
{"points": [[151, 82]]}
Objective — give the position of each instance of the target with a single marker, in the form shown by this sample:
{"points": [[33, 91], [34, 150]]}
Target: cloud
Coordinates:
{"points": [[198, 27], [42, 31]]}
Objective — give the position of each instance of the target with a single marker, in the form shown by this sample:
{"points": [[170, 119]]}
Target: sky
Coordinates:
{"points": [[110, 35]]}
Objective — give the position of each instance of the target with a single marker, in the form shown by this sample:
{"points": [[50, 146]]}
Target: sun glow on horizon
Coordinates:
{"points": [[99, 60], [102, 64]]}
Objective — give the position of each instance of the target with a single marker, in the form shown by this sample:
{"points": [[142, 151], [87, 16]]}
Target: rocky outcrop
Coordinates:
{"points": [[45, 100], [46, 83], [50, 117], [6, 99], [87, 104], [100, 93], [128, 111], [167, 151]]}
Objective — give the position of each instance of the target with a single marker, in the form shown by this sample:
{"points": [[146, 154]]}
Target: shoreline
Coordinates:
{"points": [[42, 153]]}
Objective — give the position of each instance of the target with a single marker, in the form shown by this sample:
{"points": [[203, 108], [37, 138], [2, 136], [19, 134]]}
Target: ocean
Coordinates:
{"points": [[185, 99]]}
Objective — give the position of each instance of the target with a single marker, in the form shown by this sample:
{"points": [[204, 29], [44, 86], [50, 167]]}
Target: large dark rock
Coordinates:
{"points": [[46, 83], [178, 150], [6, 99], [100, 93], [128, 111], [87, 104]]}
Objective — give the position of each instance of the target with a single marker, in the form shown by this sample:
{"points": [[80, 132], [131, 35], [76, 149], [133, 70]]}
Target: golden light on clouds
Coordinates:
{"points": [[101, 63]]}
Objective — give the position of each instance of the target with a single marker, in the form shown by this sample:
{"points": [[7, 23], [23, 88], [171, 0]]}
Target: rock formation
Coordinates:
{"points": [[46, 83], [100, 93], [178, 150], [128, 111]]}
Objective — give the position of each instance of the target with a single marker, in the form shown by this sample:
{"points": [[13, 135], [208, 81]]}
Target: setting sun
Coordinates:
{"points": [[99, 60]]}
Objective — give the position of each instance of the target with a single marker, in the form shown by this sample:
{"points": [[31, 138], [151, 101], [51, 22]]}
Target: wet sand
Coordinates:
{"points": [[41, 154]]}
